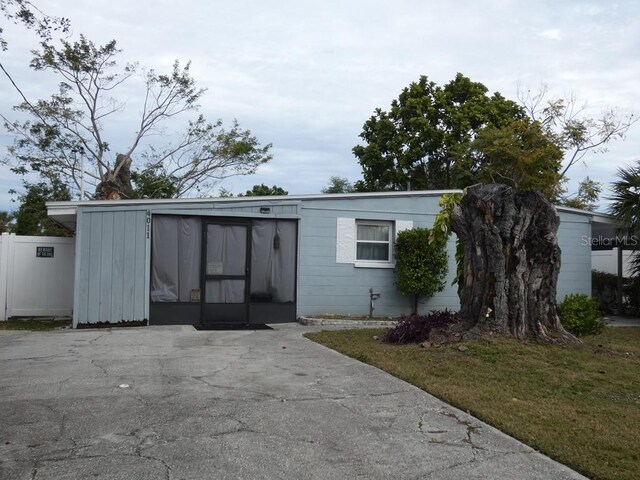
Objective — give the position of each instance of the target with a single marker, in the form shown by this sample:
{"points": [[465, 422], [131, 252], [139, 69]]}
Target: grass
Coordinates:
{"points": [[34, 324], [577, 404]]}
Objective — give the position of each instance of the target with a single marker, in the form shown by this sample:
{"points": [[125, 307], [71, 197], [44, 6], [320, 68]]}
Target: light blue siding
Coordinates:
{"points": [[140, 306], [575, 269], [131, 237], [111, 282], [92, 300], [325, 286]]}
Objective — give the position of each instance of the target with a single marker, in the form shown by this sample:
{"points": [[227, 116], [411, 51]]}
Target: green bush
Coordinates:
{"points": [[421, 264], [580, 315]]}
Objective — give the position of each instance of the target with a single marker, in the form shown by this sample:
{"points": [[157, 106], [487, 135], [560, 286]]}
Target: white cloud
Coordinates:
{"points": [[553, 34], [307, 75]]}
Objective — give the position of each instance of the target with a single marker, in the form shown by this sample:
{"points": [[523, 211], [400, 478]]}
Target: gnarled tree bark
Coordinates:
{"points": [[116, 184], [511, 263]]}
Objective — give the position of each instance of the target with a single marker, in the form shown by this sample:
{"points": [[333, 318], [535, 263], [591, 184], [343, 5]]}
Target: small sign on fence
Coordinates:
{"points": [[195, 295], [44, 252]]}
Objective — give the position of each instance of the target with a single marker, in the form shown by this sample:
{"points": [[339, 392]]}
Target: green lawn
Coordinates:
{"points": [[34, 324], [578, 404]]}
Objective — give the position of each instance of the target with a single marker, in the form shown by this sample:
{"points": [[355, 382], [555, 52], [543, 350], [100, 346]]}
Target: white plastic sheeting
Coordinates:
{"points": [[273, 261], [176, 258], [225, 291], [226, 249], [226, 255]]}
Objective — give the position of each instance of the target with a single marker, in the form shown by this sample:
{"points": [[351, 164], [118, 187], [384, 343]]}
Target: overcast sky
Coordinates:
{"points": [[305, 76]]}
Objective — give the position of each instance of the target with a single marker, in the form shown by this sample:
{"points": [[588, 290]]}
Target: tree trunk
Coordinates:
{"points": [[511, 263], [117, 182], [414, 303]]}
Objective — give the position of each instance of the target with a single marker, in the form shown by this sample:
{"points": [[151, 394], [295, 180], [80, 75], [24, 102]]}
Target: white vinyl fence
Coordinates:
{"points": [[36, 276]]}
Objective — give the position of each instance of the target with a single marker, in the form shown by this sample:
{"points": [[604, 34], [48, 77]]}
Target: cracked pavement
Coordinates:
{"points": [[175, 403]]}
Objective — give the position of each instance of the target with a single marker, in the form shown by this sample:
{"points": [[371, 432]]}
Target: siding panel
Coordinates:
{"points": [[106, 268], [94, 273], [129, 271], [575, 269], [140, 259], [325, 286], [118, 266], [111, 279], [83, 256]]}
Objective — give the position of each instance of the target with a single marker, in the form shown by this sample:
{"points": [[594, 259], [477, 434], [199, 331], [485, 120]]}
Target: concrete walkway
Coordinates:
{"points": [[615, 321], [176, 403]]}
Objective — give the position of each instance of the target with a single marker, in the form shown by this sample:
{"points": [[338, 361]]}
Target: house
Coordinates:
{"points": [[260, 260]]}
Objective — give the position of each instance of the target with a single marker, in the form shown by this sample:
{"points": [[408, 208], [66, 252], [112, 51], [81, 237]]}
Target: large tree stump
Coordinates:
{"points": [[116, 184], [511, 263]]}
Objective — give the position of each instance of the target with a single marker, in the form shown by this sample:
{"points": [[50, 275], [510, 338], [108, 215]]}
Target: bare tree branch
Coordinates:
{"points": [[567, 120], [72, 119]]}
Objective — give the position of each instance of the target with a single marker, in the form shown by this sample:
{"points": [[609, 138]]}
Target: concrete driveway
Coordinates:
{"points": [[176, 403]]}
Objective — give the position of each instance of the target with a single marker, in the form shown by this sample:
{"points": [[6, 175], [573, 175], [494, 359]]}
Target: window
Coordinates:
{"points": [[367, 243], [374, 241]]}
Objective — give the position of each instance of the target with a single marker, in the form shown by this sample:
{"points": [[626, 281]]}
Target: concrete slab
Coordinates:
{"points": [[615, 321], [176, 403]]}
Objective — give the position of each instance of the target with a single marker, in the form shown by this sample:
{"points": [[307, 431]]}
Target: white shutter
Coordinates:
{"points": [[403, 225], [346, 240]]}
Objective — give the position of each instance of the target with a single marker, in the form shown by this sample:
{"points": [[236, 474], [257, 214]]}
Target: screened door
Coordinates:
{"points": [[216, 270], [226, 270]]}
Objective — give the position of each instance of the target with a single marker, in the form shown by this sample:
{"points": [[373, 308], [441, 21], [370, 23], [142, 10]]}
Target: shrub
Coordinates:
{"points": [[631, 291], [416, 328], [580, 315], [604, 288], [421, 264]]}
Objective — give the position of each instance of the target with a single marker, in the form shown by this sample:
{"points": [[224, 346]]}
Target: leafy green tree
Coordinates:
{"points": [[443, 228], [520, 154], [626, 206], [421, 266], [422, 139], [149, 184], [338, 185], [72, 120], [586, 197], [263, 191], [31, 217]]}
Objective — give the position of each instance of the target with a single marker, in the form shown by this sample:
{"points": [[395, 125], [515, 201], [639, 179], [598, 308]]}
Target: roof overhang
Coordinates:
{"points": [[605, 229], [65, 213]]}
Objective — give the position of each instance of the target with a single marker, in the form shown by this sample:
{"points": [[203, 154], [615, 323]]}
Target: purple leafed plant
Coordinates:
{"points": [[416, 328]]}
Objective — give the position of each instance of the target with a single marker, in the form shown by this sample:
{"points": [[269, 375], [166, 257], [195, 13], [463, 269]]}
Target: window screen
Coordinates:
{"points": [[175, 251]]}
